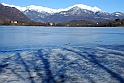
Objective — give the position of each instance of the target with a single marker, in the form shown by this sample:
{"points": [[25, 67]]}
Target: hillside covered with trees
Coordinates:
{"points": [[11, 15], [73, 23]]}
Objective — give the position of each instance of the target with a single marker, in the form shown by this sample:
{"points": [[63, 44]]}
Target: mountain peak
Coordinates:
{"points": [[40, 9], [82, 6], [50, 10]]}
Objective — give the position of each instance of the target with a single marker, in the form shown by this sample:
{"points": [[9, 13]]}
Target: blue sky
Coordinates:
{"points": [[105, 5]]}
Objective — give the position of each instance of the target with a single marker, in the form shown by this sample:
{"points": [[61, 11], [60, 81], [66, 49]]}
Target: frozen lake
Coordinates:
{"points": [[16, 38], [61, 55]]}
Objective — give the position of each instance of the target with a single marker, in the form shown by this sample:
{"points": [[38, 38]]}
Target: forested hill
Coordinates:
{"points": [[12, 14]]}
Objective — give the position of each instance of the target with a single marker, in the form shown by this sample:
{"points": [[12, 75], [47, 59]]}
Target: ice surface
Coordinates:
{"points": [[84, 64], [26, 38], [61, 55]]}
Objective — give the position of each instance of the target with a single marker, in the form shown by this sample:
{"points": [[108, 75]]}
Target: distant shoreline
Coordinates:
{"points": [[73, 23]]}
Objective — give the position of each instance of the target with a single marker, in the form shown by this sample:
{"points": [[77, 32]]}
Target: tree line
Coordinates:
{"points": [[73, 23]]}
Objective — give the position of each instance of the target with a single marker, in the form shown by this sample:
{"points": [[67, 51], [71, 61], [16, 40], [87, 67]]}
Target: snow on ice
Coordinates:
{"points": [[83, 64]]}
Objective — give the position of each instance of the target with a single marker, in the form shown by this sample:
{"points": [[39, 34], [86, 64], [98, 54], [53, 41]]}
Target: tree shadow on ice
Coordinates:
{"points": [[25, 66], [86, 77], [92, 58], [117, 49], [112, 73], [6, 65], [50, 77], [3, 66]]}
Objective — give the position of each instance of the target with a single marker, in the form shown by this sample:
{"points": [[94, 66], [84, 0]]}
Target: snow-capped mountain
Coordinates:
{"points": [[50, 10], [75, 12], [117, 14]]}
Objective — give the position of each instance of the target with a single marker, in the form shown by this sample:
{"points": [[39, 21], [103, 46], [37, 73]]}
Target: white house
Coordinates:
{"points": [[14, 22]]}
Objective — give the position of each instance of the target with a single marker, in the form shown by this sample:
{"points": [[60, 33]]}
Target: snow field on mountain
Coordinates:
{"points": [[74, 12], [78, 64], [50, 10]]}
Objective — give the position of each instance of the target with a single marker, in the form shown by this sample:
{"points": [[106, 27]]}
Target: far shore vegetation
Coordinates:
{"points": [[73, 23]]}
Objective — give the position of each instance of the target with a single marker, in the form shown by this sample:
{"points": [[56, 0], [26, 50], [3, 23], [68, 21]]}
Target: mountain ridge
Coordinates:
{"points": [[51, 10], [75, 12]]}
